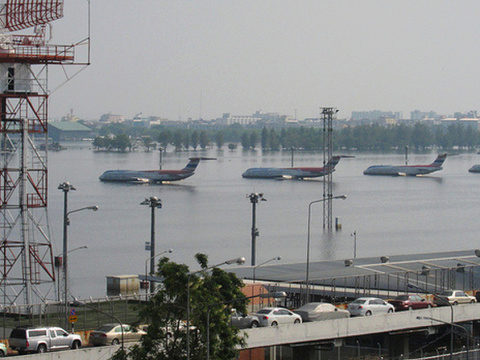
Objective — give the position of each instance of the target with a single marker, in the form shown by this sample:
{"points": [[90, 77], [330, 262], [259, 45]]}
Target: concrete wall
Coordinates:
{"points": [[91, 353]]}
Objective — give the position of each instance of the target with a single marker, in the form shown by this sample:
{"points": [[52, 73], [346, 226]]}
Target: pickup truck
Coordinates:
{"points": [[42, 339]]}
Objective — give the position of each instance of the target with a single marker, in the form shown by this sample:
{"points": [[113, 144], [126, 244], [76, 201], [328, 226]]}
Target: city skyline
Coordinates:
{"points": [[188, 59]]}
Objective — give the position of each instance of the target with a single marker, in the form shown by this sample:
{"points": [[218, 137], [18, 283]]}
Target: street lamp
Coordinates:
{"points": [[452, 324], [153, 202], [276, 258], [254, 198], [238, 261], [343, 197], [445, 301], [66, 187], [77, 248], [151, 258]]}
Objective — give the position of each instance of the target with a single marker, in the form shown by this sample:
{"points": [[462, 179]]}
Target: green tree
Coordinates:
{"points": [[101, 142], [195, 139], [245, 141], [214, 292], [147, 142], [219, 139], [264, 139], [204, 139], [178, 140], [121, 142], [164, 138], [253, 139]]}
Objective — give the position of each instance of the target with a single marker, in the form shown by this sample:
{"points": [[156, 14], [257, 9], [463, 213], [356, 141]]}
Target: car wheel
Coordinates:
{"points": [[391, 310], [472, 302], [115, 342], [254, 324], [2, 354], [429, 306], [274, 323], [76, 345], [455, 303], [410, 308], [368, 313], [296, 321], [41, 348]]}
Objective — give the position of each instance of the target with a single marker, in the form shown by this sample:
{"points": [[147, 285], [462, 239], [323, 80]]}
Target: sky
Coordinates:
{"points": [[183, 58]]}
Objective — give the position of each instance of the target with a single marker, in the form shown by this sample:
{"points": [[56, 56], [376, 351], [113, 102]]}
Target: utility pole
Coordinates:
{"points": [[254, 198], [328, 113]]}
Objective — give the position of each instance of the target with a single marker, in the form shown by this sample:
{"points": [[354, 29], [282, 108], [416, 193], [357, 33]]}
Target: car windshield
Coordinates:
{"points": [[402, 297], [446, 293], [359, 301], [264, 311], [106, 328]]}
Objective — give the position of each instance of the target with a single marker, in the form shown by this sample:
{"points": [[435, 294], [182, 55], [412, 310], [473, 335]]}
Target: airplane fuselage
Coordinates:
{"points": [[277, 173], [409, 170], [146, 176]]}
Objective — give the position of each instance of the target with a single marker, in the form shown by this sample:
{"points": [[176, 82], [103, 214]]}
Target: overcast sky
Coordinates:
{"points": [[181, 59]]}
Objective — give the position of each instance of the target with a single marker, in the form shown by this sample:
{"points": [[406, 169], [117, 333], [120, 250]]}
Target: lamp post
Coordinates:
{"points": [[238, 261], [153, 202], [445, 301], [66, 187], [343, 197], [151, 258], [452, 324], [254, 198]]}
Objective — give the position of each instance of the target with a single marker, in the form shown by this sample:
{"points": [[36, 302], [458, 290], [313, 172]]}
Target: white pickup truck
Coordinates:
{"points": [[42, 339]]}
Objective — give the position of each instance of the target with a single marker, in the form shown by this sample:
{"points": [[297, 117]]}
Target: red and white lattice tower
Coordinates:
{"points": [[27, 269]]}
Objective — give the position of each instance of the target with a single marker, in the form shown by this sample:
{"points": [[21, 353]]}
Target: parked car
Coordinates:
{"points": [[244, 321], [407, 302], [367, 306], [317, 311], [111, 334], [3, 350], [42, 339], [275, 316], [453, 297]]}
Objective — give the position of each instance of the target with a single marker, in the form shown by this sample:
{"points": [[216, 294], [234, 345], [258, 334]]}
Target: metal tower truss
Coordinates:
{"points": [[27, 256], [327, 113]]}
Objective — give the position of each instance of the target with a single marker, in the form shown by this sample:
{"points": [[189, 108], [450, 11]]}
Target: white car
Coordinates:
{"points": [[453, 297], [276, 316], [367, 306]]}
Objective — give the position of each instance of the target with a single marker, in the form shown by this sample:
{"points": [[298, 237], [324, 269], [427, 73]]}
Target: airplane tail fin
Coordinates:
{"points": [[332, 162], [439, 160], [193, 163]]}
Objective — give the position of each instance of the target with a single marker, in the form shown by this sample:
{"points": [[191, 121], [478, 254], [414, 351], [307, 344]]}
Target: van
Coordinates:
{"points": [[42, 339]]}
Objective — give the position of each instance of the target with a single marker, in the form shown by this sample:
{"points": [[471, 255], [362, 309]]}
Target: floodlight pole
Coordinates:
{"points": [[254, 198]]}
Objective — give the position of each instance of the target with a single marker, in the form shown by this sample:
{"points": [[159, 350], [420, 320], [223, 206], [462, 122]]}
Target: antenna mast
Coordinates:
{"points": [[27, 270]]}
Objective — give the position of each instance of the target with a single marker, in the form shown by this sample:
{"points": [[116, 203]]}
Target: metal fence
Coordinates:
{"points": [[91, 313]]}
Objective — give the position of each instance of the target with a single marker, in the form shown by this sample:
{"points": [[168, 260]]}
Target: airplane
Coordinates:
{"points": [[409, 170], [152, 176], [293, 172]]}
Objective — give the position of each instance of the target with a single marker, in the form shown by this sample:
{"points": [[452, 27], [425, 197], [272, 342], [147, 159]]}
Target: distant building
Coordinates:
{"points": [[68, 131], [417, 115], [111, 118], [374, 116], [228, 119]]}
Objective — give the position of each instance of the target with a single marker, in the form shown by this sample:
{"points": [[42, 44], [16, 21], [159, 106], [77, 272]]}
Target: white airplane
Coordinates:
{"points": [[293, 172], [409, 170], [152, 176]]}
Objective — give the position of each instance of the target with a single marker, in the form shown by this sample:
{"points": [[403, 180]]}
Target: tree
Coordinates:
{"points": [[213, 291], [264, 138], [203, 139], [253, 139], [147, 142], [195, 139], [121, 142], [219, 139], [245, 141], [178, 140]]}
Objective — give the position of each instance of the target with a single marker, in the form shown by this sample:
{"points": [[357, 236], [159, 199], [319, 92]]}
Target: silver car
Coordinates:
{"points": [[317, 311], [244, 321], [276, 316], [367, 306], [42, 339]]}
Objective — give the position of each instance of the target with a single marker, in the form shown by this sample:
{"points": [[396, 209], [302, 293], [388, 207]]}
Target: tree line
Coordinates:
{"points": [[362, 138]]}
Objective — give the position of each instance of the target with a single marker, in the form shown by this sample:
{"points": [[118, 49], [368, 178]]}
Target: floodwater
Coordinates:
{"points": [[210, 213]]}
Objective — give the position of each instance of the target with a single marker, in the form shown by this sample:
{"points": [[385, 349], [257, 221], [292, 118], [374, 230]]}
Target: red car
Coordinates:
{"points": [[406, 302]]}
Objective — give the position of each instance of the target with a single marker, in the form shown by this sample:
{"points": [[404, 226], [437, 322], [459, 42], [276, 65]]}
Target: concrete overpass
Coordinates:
{"points": [[312, 332]]}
